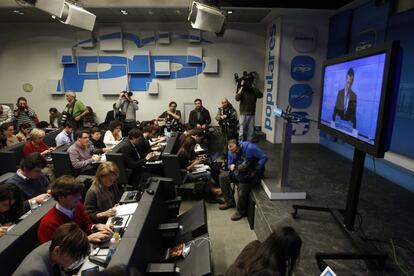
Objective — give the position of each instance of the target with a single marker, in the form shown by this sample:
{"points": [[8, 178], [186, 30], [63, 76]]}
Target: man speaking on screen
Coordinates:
{"points": [[346, 101]]}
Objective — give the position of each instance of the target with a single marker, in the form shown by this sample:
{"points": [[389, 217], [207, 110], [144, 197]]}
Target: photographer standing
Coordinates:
{"points": [[128, 108], [24, 114], [247, 95], [74, 111]]}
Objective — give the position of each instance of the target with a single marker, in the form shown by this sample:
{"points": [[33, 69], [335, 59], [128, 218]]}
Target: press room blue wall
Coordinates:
{"points": [[368, 25]]}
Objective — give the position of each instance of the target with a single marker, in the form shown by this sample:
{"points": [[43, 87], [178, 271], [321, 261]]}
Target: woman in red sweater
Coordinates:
{"points": [[36, 143]]}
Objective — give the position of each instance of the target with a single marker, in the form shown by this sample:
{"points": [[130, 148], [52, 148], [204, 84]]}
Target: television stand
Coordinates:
{"points": [[345, 218]]}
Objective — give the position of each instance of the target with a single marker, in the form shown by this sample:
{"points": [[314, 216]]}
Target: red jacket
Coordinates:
{"points": [[54, 218], [29, 148]]}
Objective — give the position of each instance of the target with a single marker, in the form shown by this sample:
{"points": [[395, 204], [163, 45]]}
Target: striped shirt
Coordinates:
{"points": [[28, 116]]}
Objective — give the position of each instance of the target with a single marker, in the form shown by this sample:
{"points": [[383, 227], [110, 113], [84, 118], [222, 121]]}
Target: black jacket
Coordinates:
{"points": [[350, 113], [112, 115], [231, 119], [131, 158], [144, 147], [204, 117]]}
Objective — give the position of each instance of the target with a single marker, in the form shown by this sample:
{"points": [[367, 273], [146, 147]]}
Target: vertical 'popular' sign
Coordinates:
{"points": [[271, 79]]}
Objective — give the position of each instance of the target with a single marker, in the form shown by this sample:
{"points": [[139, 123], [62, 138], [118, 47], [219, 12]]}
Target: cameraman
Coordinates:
{"points": [[247, 95], [24, 114], [128, 108]]}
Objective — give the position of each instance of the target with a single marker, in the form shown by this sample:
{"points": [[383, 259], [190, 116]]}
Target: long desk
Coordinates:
{"points": [[140, 240], [21, 239], [142, 243]]}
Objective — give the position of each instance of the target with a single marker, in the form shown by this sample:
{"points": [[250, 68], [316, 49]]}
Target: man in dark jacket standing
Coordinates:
{"points": [[247, 95], [200, 116]]}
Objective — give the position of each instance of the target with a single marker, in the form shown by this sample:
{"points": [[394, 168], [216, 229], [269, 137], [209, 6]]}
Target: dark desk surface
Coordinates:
{"points": [[31, 220], [198, 262], [6, 241], [21, 239]]}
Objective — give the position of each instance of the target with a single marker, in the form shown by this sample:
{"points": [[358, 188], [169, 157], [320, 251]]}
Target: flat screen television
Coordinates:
{"points": [[358, 97]]}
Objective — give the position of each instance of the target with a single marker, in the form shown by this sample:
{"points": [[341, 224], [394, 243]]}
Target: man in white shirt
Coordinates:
{"points": [[66, 135]]}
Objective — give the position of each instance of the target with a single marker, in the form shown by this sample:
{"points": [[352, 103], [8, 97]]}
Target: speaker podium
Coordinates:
{"points": [[280, 190]]}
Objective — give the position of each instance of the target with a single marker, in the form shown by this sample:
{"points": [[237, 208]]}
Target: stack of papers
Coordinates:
{"points": [[200, 168], [126, 209]]}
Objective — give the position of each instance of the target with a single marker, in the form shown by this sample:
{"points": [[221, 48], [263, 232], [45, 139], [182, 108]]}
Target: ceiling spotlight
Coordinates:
{"points": [[229, 12], [150, 12], [124, 12], [53, 16], [177, 11]]}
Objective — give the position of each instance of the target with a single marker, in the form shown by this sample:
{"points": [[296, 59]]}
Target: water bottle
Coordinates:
{"points": [[116, 238]]}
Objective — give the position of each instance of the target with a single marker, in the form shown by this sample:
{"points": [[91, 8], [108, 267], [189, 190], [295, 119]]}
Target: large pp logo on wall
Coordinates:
{"points": [[303, 126], [300, 96], [305, 38], [100, 67], [302, 68]]}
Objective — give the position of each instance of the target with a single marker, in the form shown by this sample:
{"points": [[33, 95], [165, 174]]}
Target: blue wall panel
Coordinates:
{"points": [[401, 28], [369, 24], [338, 39]]}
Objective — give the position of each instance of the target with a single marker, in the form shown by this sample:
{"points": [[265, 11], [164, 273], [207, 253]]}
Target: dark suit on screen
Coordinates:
{"points": [[348, 113]]}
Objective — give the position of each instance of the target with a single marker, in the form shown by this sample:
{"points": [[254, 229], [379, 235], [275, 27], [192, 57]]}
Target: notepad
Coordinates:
{"points": [[126, 209]]}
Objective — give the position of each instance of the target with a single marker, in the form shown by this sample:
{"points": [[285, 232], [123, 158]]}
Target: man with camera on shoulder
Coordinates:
{"points": [[128, 108], [247, 95]]}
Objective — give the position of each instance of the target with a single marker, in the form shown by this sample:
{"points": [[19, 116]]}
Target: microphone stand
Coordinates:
{"points": [[281, 189]]}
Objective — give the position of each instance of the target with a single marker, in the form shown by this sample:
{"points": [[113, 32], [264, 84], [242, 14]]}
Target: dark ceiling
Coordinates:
{"points": [[253, 11], [290, 4]]}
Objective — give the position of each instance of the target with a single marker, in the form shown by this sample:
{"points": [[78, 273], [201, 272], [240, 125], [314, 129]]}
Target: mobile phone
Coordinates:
{"points": [[90, 271]]}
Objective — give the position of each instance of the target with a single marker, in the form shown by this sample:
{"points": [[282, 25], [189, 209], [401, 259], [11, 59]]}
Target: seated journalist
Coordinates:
{"points": [[66, 190]]}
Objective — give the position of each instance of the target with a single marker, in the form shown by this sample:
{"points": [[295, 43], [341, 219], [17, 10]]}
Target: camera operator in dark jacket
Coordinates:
{"points": [[247, 95], [227, 119], [199, 117]]}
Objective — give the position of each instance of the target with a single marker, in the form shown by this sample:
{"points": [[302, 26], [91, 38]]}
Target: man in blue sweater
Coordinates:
{"points": [[246, 165], [31, 181]]}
